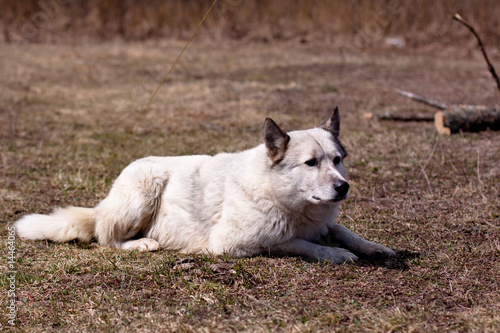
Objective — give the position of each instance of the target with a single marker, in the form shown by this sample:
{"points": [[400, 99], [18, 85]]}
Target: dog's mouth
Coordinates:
{"points": [[334, 200]]}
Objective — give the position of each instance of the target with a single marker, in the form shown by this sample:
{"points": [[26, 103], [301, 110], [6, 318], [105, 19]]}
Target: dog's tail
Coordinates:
{"points": [[63, 225]]}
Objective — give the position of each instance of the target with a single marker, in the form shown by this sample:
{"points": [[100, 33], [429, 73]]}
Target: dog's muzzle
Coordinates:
{"points": [[341, 187]]}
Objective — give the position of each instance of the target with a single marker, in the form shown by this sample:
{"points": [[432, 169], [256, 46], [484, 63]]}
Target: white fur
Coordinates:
{"points": [[242, 204], [62, 225]]}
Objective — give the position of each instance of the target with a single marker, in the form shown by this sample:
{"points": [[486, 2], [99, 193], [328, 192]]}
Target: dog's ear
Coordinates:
{"points": [[276, 141], [332, 125]]}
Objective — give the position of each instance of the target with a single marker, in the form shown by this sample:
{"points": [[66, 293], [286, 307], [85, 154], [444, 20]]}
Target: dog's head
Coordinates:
{"points": [[307, 166]]}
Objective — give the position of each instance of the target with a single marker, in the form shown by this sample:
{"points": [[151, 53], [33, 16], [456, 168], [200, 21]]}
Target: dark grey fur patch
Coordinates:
{"points": [[332, 125], [276, 141]]}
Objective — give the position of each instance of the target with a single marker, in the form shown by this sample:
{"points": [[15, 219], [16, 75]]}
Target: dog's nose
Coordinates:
{"points": [[342, 187]]}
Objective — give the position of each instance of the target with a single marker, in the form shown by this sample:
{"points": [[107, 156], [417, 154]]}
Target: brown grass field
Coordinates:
{"points": [[66, 108], [256, 20]]}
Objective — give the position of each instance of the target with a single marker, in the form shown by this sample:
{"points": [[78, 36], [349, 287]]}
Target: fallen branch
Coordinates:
{"points": [[421, 99], [453, 118], [401, 116]]}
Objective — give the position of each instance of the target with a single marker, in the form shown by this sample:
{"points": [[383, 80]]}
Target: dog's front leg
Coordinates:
{"points": [[301, 247], [357, 243]]}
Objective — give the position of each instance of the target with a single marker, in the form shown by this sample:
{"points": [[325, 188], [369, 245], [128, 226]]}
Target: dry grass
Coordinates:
{"points": [[325, 20], [65, 108]]}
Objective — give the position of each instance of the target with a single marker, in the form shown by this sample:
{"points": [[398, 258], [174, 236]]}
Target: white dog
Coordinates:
{"points": [[279, 197]]}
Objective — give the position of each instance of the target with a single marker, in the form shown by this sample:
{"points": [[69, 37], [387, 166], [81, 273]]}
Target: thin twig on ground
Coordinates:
{"points": [[424, 173]]}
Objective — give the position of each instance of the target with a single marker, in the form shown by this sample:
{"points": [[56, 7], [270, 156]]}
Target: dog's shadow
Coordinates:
{"points": [[400, 262]]}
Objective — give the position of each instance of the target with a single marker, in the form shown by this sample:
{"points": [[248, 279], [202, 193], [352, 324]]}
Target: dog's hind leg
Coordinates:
{"points": [[131, 207], [358, 244], [141, 244]]}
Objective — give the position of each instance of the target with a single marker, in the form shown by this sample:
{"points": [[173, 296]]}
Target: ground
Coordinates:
{"points": [[71, 117]]}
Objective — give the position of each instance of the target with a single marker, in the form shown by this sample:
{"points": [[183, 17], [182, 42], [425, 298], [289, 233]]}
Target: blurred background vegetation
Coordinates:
{"points": [[369, 21]]}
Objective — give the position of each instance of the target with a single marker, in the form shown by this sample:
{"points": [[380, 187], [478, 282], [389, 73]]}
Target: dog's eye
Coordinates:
{"points": [[337, 160], [312, 162]]}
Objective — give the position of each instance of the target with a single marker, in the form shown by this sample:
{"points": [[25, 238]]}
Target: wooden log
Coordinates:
{"points": [[439, 124], [467, 118], [454, 118]]}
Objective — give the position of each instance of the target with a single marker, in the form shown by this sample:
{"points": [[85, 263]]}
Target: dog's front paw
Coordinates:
{"points": [[336, 255], [346, 256], [385, 251], [376, 250]]}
